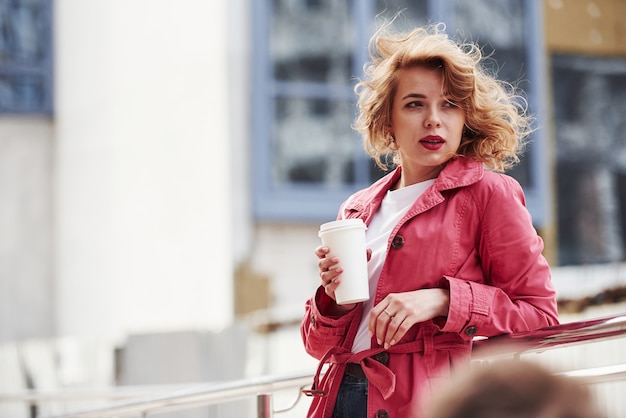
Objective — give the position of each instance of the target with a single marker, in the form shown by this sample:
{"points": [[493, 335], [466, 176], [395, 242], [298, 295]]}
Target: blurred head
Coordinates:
{"points": [[512, 389], [495, 121]]}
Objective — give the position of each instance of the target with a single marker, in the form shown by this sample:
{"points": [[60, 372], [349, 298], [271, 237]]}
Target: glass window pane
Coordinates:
{"points": [[589, 106], [22, 34], [414, 12], [312, 41], [313, 142], [22, 93], [498, 27], [25, 56]]}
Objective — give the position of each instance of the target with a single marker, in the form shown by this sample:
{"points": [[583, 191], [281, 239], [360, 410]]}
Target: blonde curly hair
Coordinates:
{"points": [[496, 119]]}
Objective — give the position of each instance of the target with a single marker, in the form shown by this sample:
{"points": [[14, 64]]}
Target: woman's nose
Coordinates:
{"points": [[432, 119]]}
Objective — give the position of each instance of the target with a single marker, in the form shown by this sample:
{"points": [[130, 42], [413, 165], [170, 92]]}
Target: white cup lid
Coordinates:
{"points": [[343, 223]]}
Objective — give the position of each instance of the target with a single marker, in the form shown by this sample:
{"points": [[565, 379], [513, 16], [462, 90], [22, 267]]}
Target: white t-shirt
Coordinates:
{"points": [[393, 207]]}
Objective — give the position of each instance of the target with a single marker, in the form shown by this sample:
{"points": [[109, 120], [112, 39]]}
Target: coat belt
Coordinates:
{"points": [[378, 374]]}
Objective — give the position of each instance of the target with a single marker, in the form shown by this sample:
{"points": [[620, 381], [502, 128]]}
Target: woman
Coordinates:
{"points": [[454, 254]]}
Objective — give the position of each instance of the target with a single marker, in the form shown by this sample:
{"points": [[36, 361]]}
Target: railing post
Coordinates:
{"points": [[264, 406]]}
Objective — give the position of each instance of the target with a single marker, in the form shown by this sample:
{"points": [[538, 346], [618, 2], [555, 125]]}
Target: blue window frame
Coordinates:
{"points": [[26, 82], [307, 55]]}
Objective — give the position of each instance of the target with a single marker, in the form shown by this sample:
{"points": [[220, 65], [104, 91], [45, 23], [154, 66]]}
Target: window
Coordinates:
{"points": [[25, 56], [590, 103], [308, 54]]}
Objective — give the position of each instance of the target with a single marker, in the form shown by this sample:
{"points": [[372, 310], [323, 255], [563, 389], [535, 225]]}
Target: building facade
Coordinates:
{"points": [[164, 166]]}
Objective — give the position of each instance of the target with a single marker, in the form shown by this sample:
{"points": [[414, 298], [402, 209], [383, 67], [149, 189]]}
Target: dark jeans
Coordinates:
{"points": [[351, 399]]}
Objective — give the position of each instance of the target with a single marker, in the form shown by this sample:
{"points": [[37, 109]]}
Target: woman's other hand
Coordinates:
{"points": [[391, 319]]}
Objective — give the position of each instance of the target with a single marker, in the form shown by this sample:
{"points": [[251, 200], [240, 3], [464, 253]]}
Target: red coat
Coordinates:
{"points": [[469, 232]]}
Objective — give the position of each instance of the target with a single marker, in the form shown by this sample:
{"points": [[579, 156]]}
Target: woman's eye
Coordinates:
{"points": [[414, 104], [449, 104]]}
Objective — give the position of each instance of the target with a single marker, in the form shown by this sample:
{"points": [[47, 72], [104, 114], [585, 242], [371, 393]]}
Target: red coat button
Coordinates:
{"points": [[471, 331], [397, 242]]}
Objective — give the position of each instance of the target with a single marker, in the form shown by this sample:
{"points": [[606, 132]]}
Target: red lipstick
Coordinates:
{"points": [[432, 142]]}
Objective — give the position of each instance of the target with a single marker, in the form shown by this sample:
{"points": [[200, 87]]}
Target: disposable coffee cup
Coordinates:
{"points": [[346, 240]]}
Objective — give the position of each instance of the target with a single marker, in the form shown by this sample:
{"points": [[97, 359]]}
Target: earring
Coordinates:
{"points": [[392, 143]]}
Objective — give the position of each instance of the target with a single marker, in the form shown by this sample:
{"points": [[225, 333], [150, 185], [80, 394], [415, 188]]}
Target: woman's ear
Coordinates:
{"points": [[467, 131], [388, 130]]}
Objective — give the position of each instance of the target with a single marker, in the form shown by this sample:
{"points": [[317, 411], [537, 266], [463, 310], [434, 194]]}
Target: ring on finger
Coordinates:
{"points": [[388, 313]]}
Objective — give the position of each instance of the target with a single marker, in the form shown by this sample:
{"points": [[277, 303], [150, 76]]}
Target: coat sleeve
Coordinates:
{"points": [[516, 292], [320, 332]]}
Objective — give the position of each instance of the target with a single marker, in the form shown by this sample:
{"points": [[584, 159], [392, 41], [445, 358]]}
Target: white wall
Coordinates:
{"points": [[143, 200], [26, 287]]}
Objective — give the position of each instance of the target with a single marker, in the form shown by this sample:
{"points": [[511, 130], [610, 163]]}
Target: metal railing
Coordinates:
{"points": [[263, 388]]}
